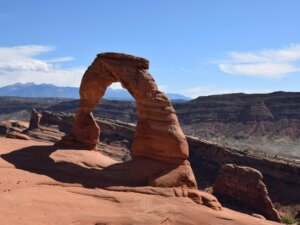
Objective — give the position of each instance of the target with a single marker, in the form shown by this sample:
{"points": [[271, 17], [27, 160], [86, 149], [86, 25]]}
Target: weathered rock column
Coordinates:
{"points": [[34, 119]]}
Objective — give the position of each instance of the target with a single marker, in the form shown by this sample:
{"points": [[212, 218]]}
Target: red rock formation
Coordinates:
{"points": [[158, 133], [34, 119], [245, 184], [13, 129], [12, 125]]}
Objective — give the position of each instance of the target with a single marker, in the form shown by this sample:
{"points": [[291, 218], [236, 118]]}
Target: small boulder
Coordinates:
{"points": [[17, 135]]}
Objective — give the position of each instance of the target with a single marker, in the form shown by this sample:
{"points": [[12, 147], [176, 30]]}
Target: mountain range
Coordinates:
{"points": [[50, 90]]}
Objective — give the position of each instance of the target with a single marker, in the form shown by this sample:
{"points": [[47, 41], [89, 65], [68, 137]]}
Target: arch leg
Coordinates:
{"points": [[86, 132]]}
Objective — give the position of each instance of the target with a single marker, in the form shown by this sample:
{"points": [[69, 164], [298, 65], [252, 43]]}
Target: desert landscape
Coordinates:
{"points": [[147, 113], [58, 146]]}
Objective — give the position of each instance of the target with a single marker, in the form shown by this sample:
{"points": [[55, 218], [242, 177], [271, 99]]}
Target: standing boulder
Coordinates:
{"points": [[34, 119], [245, 185]]}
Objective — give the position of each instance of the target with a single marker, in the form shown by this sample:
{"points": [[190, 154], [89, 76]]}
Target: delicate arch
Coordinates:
{"points": [[158, 134]]}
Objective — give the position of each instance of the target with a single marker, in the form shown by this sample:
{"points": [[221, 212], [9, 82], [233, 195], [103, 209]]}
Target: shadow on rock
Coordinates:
{"points": [[37, 159]]}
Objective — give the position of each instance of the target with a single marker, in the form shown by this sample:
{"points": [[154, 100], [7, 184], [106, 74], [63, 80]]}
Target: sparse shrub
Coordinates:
{"points": [[288, 219]]}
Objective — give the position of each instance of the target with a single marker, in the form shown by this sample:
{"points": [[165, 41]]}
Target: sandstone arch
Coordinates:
{"points": [[158, 134]]}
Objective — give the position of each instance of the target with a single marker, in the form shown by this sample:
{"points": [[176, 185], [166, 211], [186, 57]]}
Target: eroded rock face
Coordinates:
{"points": [[158, 133], [245, 184]]}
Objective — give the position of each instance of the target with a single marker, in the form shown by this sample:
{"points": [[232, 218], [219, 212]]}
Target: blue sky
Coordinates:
{"points": [[194, 47]]}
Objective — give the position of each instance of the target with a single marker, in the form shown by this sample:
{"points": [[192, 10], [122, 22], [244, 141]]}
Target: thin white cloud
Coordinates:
{"points": [[289, 54], [270, 70], [22, 58], [60, 59], [268, 63], [197, 91], [24, 65], [242, 57], [60, 77], [21, 64], [194, 92]]}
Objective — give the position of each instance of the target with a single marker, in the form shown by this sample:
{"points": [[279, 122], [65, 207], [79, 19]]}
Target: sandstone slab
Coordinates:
{"points": [[56, 187]]}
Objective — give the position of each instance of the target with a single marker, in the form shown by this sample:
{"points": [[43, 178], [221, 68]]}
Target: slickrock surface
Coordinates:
{"points": [[40, 184], [158, 134], [246, 185]]}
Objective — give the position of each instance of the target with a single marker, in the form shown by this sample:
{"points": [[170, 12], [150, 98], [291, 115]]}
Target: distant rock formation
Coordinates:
{"points": [[158, 134], [34, 119], [246, 185]]}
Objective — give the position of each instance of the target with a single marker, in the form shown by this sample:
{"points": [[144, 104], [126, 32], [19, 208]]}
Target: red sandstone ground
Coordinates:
{"points": [[42, 186]]}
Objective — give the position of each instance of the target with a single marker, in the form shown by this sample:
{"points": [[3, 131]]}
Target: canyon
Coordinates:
{"points": [[206, 158], [257, 123]]}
